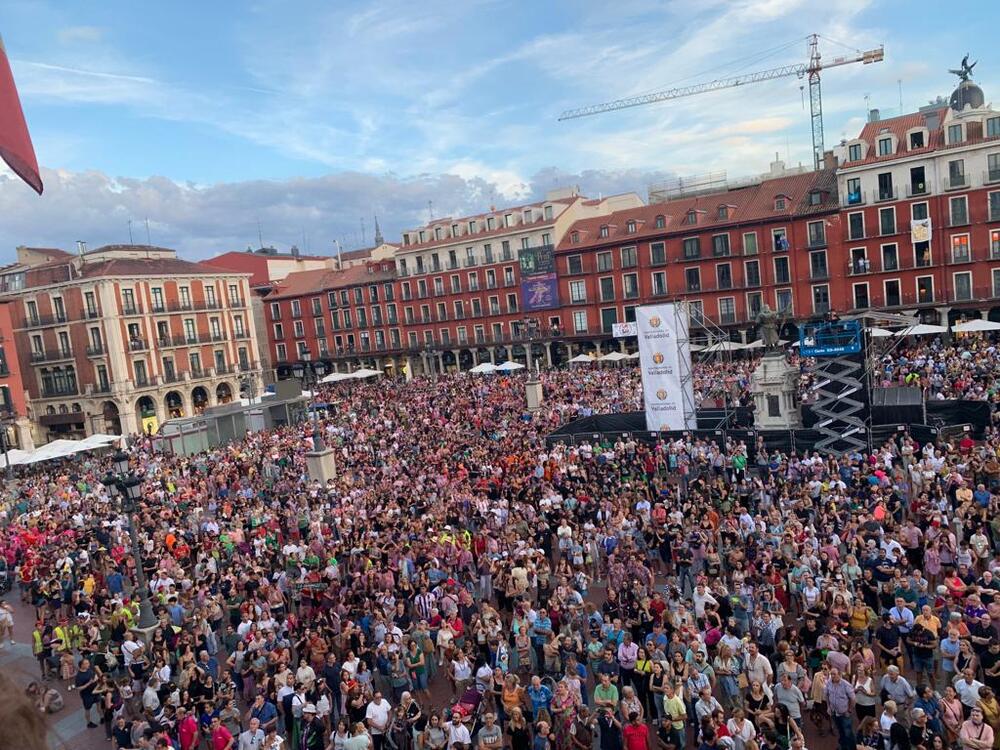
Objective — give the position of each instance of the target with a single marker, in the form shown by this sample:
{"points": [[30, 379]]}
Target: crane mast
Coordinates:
{"points": [[810, 71]]}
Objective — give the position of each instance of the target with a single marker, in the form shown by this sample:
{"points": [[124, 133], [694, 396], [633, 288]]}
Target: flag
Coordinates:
{"points": [[15, 141]]}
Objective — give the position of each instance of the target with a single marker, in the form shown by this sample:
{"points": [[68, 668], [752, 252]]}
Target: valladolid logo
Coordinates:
{"points": [[657, 358], [654, 322], [661, 394]]}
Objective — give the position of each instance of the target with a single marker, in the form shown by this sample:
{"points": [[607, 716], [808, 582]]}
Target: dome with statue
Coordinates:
{"points": [[968, 95]]}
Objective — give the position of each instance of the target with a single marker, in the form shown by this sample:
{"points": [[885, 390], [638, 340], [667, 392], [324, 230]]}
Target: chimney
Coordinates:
{"points": [[829, 160], [873, 115]]}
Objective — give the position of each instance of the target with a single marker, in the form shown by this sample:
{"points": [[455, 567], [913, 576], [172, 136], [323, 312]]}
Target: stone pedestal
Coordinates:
{"points": [[774, 387], [321, 465], [533, 393]]}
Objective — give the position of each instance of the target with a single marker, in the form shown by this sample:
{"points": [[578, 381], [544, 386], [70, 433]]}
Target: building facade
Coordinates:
{"points": [[123, 338], [13, 408], [920, 201]]}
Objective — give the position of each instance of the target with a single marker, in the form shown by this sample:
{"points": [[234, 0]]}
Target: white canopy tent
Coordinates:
{"points": [[880, 333], [921, 329], [484, 368], [725, 346], [336, 377], [365, 372], [583, 359], [509, 366], [633, 355], [976, 326], [614, 357]]}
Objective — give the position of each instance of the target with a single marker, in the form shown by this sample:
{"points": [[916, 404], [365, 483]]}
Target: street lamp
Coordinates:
{"points": [[126, 486], [309, 374]]}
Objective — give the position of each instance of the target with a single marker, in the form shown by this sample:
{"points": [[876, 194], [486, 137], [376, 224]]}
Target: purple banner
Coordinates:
{"points": [[540, 292]]}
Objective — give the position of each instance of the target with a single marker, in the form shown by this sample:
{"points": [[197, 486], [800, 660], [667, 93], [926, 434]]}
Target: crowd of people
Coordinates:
{"points": [[461, 583], [966, 368]]}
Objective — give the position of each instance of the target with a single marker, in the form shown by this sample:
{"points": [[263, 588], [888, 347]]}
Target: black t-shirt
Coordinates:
{"points": [[122, 735], [888, 636]]}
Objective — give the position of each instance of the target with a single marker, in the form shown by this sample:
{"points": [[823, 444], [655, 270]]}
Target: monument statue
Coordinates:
{"points": [[965, 70], [768, 321]]}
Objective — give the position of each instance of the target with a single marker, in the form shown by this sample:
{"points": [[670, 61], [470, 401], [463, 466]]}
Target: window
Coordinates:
{"points": [[488, 253], [603, 231], [821, 299], [659, 283], [750, 243], [956, 173], [473, 282], [692, 278], [691, 217], [996, 282], [607, 288], [609, 316], [720, 245], [918, 211], [890, 258], [995, 243], [887, 221], [299, 329], [861, 296], [918, 181], [508, 276], [296, 308], [993, 168], [815, 197], [781, 273], [755, 303], [210, 296], [547, 210], [783, 300], [657, 253], [954, 134], [629, 257], [724, 276], [885, 146], [491, 223], [128, 301], [960, 252], [140, 372], [630, 285], [91, 302], [854, 196], [994, 205], [925, 289], [886, 191], [993, 127], [854, 152], [604, 262], [577, 292], [856, 226], [456, 285], [959, 208], [472, 227], [362, 317], [817, 265], [780, 240], [696, 310], [962, 285], [525, 243], [157, 294], [727, 310], [817, 233], [916, 140], [692, 248], [580, 321], [661, 221], [779, 203], [893, 296], [630, 226], [751, 272]]}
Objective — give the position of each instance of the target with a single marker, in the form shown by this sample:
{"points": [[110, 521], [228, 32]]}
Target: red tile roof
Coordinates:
{"points": [[301, 283], [745, 204], [255, 264]]}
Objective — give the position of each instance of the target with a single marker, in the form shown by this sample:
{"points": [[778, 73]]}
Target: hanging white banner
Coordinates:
{"points": [[659, 357]]}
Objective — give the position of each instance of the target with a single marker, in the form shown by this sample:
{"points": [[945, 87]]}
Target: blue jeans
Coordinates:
{"points": [[845, 731]]}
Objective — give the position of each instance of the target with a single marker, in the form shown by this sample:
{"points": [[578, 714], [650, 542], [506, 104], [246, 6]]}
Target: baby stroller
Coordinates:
{"points": [[468, 709]]}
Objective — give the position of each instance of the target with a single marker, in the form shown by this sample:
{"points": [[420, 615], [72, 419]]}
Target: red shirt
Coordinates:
{"points": [[221, 737], [636, 736]]}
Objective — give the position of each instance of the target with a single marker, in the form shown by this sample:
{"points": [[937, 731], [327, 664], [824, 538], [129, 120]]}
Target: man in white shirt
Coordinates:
{"points": [[252, 738], [458, 735], [377, 719], [701, 597]]}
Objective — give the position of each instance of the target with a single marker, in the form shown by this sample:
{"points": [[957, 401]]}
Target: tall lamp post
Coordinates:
{"points": [[533, 387], [127, 488], [309, 374]]}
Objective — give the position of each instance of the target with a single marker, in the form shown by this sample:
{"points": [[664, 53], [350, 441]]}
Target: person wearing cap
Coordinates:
{"points": [[312, 730]]}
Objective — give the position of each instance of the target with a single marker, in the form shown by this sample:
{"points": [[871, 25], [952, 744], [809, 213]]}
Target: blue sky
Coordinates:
{"points": [[207, 117]]}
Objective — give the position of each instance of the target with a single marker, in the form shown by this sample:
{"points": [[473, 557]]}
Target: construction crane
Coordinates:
{"points": [[810, 70]]}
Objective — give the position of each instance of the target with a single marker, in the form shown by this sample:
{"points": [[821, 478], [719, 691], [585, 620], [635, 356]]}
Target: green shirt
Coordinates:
{"points": [[609, 693]]}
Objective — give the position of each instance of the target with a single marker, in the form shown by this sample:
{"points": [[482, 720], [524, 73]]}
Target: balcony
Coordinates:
{"points": [[172, 377], [403, 273], [727, 319], [470, 262], [157, 307], [248, 366], [915, 190], [65, 392], [506, 255], [817, 242], [52, 355], [959, 221], [491, 284], [40, 321], [101, 388], [859, 267], [858, 198], [884, 196], [137, 344], [132, 309], [956, 182], [242, 334], [96, 350], [452, 265], [509, 282], [197, 373], [91, 313], [237, 302], [991, 176], [819, 274], [142, 382]]}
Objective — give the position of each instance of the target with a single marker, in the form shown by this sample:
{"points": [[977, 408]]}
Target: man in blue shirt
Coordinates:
{"points": [[265, 711], [541, 629], [541, 698]]}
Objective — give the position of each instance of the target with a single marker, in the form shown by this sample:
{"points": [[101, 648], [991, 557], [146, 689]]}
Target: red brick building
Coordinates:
{"points": [[13, 408]]}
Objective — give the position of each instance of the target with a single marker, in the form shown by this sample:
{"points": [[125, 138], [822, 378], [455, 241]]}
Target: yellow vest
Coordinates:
{"points": [[36, 646]]}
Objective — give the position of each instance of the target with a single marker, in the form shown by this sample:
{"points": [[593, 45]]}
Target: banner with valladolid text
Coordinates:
{"points": [[662, 343]]}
